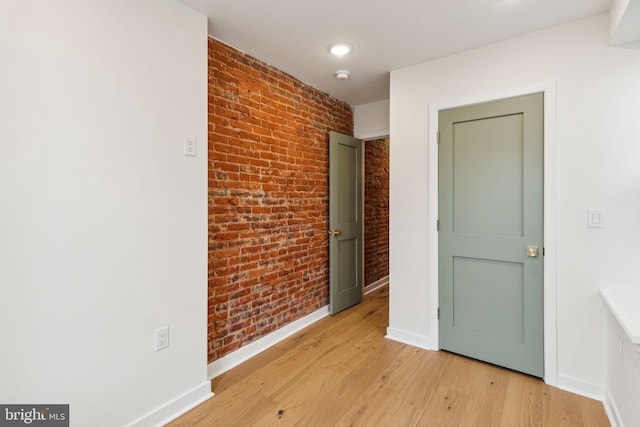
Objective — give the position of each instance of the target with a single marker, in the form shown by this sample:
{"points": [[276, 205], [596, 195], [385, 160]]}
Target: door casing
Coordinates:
{"points": [[549, 216], [491, 187]]}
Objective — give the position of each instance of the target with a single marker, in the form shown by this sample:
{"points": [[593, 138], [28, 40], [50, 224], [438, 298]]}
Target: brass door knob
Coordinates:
{"points": [[532, 251], [335, 233]]}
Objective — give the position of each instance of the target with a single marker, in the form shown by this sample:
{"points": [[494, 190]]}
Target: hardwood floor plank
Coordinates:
{"points": [[487, 389], [383, 377], [353, 386], [341, 371]]}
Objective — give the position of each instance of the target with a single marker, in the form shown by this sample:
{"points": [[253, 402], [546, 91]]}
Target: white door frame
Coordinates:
{"points": [[550, 213]]}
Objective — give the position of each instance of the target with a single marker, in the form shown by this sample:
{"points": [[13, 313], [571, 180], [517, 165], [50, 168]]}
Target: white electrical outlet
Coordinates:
{"points": [[190, 146], [621, 348], [162, 338]]}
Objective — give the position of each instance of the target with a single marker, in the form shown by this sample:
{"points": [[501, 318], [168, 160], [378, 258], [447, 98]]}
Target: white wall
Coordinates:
{"points": [[103, 224], [624, 23], [598, 166], [371, 120]]}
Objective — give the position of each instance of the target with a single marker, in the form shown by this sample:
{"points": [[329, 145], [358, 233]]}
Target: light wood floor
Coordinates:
{"points": [[341, 371]]}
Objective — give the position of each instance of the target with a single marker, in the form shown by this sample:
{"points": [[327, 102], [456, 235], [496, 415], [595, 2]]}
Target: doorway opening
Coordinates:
{"points": [[376, 213]]}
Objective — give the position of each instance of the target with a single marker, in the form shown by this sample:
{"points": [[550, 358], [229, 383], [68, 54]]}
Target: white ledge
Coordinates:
{"points": [[625, 307]]}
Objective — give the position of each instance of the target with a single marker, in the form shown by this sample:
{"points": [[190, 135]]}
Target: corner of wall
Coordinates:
{"points": [[176, 407], [583, 388], [233, 359], [410, 338]]}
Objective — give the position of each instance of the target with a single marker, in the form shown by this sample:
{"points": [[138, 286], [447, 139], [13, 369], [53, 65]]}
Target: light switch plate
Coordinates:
{"points": [[595, 218]]}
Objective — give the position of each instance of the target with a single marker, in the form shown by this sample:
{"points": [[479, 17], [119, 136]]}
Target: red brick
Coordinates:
{"points": [[268, 197], [376, 219]]}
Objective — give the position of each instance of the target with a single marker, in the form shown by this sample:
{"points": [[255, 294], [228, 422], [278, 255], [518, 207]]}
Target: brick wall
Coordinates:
{"points": [[268, 197], [376, 217]]}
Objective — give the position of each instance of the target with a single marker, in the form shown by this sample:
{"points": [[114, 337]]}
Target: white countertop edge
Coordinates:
{"points": [[625, 307]]}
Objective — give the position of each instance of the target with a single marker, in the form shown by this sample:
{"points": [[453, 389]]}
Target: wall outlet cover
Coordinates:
{"points": [[190, 146], [162, 338]]}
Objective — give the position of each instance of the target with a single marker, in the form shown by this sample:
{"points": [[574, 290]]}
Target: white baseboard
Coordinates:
{"points": [[178, 406], [409, 338], [376, 285], [583, 388], [611, 410], [245, 353]]}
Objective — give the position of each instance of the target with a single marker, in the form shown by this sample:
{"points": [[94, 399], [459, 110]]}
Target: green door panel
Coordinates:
{"points": [[474, 183], [490, 210], [345, 222], [489, 287]]}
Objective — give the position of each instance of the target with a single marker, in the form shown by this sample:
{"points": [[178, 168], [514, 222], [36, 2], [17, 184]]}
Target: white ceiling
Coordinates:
{"points": [[294, 35]]}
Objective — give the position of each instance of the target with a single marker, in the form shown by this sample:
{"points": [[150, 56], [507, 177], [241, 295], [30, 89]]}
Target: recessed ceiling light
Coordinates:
{"points": [[340, 49], [342, 74]]}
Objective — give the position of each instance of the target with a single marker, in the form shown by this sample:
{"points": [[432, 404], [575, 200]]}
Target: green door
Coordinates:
{"points": [[345, 222], [490, 232]]}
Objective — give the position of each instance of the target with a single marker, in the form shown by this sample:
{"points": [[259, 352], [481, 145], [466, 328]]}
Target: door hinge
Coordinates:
{"points": [[438, 137], [438, 313], [543, 251], [438, 225]]}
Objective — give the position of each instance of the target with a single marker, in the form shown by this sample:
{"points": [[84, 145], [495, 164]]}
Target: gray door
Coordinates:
{"points": [[490, 232], [345, 222]]}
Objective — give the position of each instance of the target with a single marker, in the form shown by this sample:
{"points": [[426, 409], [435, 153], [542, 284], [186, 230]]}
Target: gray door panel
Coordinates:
{"points": [[345, 222], [490, 211]]}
